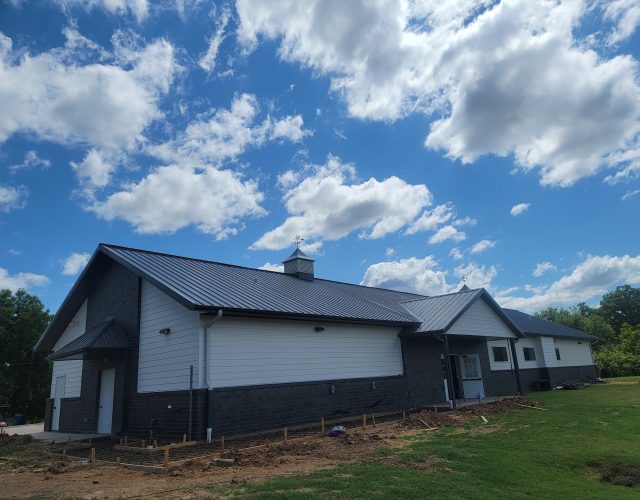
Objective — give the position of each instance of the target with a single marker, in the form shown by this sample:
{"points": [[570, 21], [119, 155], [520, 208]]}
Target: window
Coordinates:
{"points": [[500, 354], [470, 367], [557, 354], [529, 353]]}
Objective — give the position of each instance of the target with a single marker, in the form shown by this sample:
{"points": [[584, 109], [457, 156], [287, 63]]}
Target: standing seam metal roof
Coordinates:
{"points": [[533, 325]]}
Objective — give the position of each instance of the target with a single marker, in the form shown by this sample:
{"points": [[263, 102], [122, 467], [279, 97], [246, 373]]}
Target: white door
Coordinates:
{"points": [[61, 384], [105, 412], [471, 376]]}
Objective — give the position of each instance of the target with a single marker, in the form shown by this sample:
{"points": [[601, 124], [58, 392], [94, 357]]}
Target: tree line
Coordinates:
{"points": [[616, 323]]}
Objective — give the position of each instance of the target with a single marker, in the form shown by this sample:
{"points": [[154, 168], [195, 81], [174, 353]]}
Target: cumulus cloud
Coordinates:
{"points": [[329, 203], [626, 16], [31, 160], [173, 197], [446, 233], [208, 60], [389, 252], [94, 168], [507, 78], [591, 278], [519, 209], [482, 245], [431, 219], [425, 276], [17, 281], [455, 254], [55, 97], [12, 198], [268, 266], [227, 133], [543, 267], [75, 263]]}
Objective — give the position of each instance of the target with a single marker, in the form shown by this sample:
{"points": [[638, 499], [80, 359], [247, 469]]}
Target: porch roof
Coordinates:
{"points": [[106, 336]]}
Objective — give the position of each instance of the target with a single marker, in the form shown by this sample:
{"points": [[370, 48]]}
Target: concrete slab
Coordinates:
{"points": [[63, 437], [24, 429]]}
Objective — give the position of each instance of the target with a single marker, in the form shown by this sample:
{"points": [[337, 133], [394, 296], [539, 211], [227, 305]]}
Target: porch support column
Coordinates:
{"points": [[447, 360], [516, 368]]}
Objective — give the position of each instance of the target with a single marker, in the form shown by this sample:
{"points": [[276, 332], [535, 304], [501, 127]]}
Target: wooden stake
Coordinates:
{"points": [[155, 443], [322, 425], [364, 421], [143, 444], [222, 445], [184, 438], [121, 441], [286, 432], [126, 439], [166, 457], [484, 419], [404, 415], [93, 456], [373, 417], [64, 452]]}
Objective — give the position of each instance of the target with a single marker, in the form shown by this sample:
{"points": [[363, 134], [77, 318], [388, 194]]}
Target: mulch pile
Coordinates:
{"points": [[621, 475]]}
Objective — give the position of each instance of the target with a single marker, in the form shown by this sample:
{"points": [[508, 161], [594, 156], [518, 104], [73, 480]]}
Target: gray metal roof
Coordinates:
{"points": [[206, 285], [106, 336], [298, 254], [532, 325], [438, 314]]}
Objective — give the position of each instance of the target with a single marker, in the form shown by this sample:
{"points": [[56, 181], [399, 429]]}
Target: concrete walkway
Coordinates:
{"points": [[37, 432]]}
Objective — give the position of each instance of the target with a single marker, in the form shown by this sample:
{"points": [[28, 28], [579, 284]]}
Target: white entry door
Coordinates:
{"points": [[105, 412], [471, 376], [61, 384]]}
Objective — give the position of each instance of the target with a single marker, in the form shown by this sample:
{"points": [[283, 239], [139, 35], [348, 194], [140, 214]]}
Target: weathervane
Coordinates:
{"points": [[298, 239], [464, 280]]}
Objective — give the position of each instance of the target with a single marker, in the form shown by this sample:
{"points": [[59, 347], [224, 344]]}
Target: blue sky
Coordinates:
{"points": [[410, 144]]}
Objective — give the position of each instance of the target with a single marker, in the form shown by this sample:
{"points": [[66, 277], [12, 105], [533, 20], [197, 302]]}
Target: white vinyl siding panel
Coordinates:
{"points": [[71, 368], [164, 360], [572, 352], [480, 320], [499, 365], [250, 352], [533, 342]]}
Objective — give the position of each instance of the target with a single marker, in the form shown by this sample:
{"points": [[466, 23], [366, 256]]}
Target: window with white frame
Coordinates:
{"points": [[529, 353]]}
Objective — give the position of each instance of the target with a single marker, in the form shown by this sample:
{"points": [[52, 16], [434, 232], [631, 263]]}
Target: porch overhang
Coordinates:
{"points": [[107, 337]]}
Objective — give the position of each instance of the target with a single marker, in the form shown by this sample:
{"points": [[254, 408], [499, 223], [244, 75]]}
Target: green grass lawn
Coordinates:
{"points": [[635, 378], [530, 454]]}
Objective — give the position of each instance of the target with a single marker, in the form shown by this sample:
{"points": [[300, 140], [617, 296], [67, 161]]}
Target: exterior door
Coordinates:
{"points": [[61, 384], [105, 411], [471, 376]]}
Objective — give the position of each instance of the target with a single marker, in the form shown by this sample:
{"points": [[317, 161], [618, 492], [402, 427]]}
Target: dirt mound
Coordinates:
{"points": [[430, 419], [621, 475], [15, 440], [501, 406]]}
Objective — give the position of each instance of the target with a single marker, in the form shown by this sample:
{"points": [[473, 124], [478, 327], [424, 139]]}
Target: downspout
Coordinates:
{"points": [[207, 322], [516, 368]]}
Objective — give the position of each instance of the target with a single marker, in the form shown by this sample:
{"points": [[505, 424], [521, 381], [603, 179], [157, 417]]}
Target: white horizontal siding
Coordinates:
{"points": [[71, 368], [480, 320], [249, 352], [572, 352], [499, 365], [164, 360], [530, 342]]}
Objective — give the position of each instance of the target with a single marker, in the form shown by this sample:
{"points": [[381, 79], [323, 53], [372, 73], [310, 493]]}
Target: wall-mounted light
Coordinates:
{"points": [[319, 328], [165, 331]]}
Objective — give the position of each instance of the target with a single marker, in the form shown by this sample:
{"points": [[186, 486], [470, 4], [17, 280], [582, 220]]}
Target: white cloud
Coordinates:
{"points": [[509, 77], [12, 198], [55, 97], [543, 267], [138, 8], [455, 254], [519, 209], [389, 252], [75, 263], [482, 245], [409, 275], [227, 133], [630, 194], [591, 278], [626, 15], [477, 276], [14, 252], [424, 276], [288, 178], [208, 60], [447, 233], [14, 282], [329, 204], [213, 200], [94, 169], [431, 219], [268, 266], [31, 160]]}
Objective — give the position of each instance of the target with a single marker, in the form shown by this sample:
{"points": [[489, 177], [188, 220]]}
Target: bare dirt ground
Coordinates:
{"points": [[28, 472]]}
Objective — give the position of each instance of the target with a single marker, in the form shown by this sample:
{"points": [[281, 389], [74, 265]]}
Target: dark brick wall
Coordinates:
{"points": [[150, 411], [565, 374], [534, 379], [423, 369], [238, 410]]}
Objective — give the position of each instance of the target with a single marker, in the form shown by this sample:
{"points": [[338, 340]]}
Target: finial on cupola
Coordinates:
{"points": [[298, 264]]}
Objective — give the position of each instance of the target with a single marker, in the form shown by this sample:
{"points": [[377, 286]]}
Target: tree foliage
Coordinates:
{"points": [[616, 323], [24, 377]]}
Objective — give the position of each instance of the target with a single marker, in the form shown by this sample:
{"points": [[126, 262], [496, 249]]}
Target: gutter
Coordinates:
{"points": [[205, 323]]}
